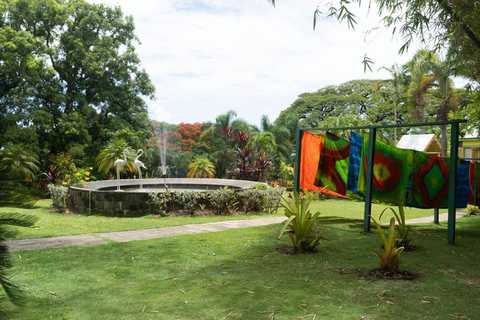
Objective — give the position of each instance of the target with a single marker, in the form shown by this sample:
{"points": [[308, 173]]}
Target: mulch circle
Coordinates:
{"points": [[291, 250], [379, 273], [394, 275], [411, 248]]}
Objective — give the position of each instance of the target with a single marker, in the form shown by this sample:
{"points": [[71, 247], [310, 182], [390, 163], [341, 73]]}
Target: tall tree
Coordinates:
{"points": [[371, 100], [431, 76], [85, 84], [222, 135], [400, 81]]}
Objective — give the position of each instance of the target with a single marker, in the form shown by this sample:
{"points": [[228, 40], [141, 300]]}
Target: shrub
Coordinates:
{"points": [[473, 210], [300, 225], [272, 199], [223, 200], [161, 201], [189, 200], [59, 196], [252, 199]]}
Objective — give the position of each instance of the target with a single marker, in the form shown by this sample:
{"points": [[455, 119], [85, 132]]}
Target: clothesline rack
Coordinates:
{"points": [[452, 193]]}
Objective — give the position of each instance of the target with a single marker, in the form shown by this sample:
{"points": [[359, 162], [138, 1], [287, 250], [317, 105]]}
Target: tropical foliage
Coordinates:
{"points": [[403, 230], [201, 168], [390, 258], [300, 224], [113, 151]]}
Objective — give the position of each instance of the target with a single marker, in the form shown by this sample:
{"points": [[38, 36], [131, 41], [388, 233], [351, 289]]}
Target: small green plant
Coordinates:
{"points": [[272, 199], [300, 225], [189, 200], [59, 196], [252, 199], [161, 202], [222, 200], [402, 227], [390, 258], [473, 210]]}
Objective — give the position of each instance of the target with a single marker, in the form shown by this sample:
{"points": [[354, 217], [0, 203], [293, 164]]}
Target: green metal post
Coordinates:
{"points": [[435, 216], [452, 188], [298, 149], [369, 180]]}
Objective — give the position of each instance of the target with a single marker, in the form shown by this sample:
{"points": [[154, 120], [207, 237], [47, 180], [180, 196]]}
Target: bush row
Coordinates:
{"points": [[220, 201]]}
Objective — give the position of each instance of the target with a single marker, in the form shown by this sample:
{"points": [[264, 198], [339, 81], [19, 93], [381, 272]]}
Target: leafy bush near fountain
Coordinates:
{"points": [[161, 202], [190, 200], [220, 201], [252, 199], [59, 196], [223, 200]]}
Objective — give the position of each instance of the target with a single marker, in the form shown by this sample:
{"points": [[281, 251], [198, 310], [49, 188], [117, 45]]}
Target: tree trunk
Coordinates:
{"points": [[444, 139]]}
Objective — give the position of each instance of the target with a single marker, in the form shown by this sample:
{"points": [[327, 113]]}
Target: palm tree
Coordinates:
{"points": [[14, 293], [12, 193], [113, 151], [18, 163], [201, 168], [273, 139], [400, 82], [221, 134], [429, 71]]}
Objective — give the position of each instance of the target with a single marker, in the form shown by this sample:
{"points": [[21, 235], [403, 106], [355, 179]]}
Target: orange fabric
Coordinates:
{"points": [[310, 155]]}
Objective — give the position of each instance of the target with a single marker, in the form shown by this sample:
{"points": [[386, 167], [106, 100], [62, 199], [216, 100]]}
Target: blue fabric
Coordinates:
{"points": [[463, 184], [356, 142]]}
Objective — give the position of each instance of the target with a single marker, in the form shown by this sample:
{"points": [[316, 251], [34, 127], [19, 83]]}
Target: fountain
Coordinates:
{"points": [[101, 197], [162, 149]]}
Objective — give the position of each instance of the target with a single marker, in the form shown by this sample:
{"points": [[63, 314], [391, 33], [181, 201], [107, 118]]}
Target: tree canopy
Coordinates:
{"points": [[372, 100], [70, 77]]}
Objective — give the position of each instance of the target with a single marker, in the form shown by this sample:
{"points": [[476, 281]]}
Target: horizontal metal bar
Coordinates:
{"points": [[429, 124]]}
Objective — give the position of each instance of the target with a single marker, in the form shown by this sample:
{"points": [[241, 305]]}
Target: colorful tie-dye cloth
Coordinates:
{"points": [[474, 182], [356, 142], [430, 182], [310, 154], [391, 172], [333, 163]]}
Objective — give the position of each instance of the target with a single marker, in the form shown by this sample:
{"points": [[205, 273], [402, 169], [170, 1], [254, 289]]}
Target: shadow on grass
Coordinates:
{"points": [[334, 220]]}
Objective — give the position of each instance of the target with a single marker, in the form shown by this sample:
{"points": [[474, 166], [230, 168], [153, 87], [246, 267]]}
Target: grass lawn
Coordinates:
{"points": [[238, 274], [52, 223]]}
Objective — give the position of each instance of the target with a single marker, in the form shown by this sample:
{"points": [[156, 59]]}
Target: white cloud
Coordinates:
{"points": [[206, 57]]}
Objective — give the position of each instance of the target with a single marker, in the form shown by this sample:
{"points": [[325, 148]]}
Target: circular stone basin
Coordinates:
{"points": [[102, 197]]}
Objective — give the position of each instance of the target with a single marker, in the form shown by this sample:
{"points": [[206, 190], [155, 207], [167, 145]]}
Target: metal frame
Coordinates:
{"points": [[452, 193]]}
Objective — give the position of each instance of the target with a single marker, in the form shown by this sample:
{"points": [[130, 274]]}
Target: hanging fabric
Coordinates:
{"points": [[356, 142], [463, 185], [430, 182], [332, 167], [474, 182], [391, 172], [310, 155]]}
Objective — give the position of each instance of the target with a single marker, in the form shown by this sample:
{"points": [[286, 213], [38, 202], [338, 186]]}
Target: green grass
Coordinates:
{"points": [[52, 223], [238, 274]]}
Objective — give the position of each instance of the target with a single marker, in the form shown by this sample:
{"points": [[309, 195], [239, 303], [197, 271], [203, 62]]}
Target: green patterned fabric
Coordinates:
{"points": [[333, 163], [429, 186], [391, 172]]}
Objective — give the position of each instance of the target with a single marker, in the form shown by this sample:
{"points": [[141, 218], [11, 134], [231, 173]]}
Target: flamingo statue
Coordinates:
{"points": [[139, 164], [119, 163]]}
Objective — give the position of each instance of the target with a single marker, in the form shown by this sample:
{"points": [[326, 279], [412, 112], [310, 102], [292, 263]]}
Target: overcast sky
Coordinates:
{"points": [[206, 57]]}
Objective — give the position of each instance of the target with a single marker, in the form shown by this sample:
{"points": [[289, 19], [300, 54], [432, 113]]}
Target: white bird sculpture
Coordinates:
{"points": [[139, 164], [119, 163]]}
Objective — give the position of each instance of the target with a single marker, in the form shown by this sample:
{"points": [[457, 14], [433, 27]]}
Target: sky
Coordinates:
{"points": [[206, 57]]}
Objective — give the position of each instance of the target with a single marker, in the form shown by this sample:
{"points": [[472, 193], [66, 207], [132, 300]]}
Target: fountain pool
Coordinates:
{"points": [[100, 197]]}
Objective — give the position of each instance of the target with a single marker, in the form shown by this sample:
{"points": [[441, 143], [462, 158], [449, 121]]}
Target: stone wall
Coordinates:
{"points": [[119, 204]]}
